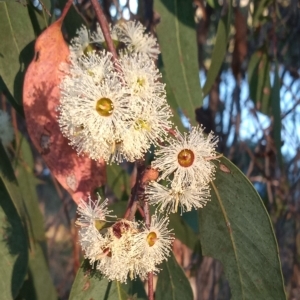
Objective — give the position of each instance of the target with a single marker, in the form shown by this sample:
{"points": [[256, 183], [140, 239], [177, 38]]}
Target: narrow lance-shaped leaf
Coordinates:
{"points": [[276, 111], [17, 106], [78, 175], [172, 283], [184, 232], [89, 284], [27, 181], [220, 49], [259, 7], [10, 182], [235, 229], [259, 80], [171, 98], [38, 281], [118, 181], [13, 247], [18, 31], [177, 39]]}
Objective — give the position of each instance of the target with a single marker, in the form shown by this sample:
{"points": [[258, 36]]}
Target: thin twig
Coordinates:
{"points": [[45, 9], [144, 175], [105, 29], [132, 205], [141, 211], [150, 286]]}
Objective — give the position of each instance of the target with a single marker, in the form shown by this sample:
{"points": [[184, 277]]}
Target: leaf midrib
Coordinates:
{"points": [[173, 286], [10, 25], [231, 238]]}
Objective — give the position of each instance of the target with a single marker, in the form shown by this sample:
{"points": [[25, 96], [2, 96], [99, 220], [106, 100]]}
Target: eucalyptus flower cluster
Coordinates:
{"points": [[113, 110], [186, 169], [116, 109], [123, 248]]}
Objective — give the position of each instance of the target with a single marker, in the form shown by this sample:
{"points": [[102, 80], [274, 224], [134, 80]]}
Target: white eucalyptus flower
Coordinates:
{"points": [[98, 37], [149, 128], [137, 41], [143, 78], [113, 267], [93, 215], [169, 198], [92, 212], [92, 242], [81, 43], [116, 264], [94, 115], [98, 66], [153, 244], [124, 249], [186, 159]]}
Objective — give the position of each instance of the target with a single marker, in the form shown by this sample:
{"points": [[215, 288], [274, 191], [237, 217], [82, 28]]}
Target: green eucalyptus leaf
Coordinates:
{"points": [[118, 181], [235, 229], [13, 247], [172, 283], [27, 181], [38, 284], [18, 107], [89, 284], [276, 112], [20, 24], [118, 208], [23, 195], [10, 182], [183, 231], [213, 3], [259, 7], [220, 49], [177, 39], [171, 100], [259, 80]]}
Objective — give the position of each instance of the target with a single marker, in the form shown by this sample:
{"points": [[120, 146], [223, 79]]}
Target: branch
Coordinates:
{"points": [[144, 175], [105, 29]]}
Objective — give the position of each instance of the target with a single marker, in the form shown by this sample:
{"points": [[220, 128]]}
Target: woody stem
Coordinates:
{"points": [[105, 28]]}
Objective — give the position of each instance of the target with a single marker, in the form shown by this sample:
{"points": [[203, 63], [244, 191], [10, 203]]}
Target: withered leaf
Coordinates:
{"points": [[78, 175]]}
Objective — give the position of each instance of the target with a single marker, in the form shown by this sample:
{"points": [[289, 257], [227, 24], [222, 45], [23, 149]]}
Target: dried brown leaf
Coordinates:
{"points": [[78, 175]]}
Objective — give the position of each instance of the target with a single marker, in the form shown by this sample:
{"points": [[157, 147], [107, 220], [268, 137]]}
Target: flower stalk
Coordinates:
{"points": [[147, 219]]}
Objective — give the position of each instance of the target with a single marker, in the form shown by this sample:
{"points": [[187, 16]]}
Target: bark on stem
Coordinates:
{"points": [[150, 286], [144, 175], [105, 29], [133, 204]]}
